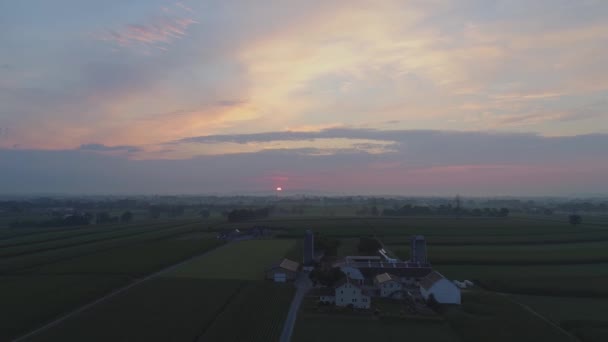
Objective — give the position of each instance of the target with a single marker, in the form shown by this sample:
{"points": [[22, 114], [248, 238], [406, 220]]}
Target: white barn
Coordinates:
{"points": [[354, 274], [440, 288]]}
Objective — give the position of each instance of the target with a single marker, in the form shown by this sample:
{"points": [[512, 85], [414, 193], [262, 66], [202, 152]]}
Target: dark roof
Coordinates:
{"points": [[285, 264], [289, 265], [384, 277], [430, 280], [347, 280]]}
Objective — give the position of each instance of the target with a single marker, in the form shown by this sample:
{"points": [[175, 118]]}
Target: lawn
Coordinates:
{"points": [[238, 260]]}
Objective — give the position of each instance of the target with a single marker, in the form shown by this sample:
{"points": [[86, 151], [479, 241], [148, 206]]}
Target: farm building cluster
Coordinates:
{"points": [[376, 276]]}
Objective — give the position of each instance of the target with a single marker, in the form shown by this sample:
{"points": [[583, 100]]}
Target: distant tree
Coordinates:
{"points": [[103, 217], [375, 211], [368, 245], [326, 244], [575, 219], [504, 212], [126, 217], [205, 213], [154, 211]]}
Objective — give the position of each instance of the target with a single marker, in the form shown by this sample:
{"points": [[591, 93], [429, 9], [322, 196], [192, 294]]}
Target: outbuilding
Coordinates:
{"points": [[284, 271], [438, 288], [388, 284]]}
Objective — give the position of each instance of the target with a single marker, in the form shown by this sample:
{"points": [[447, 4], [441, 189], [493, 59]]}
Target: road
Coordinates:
{"points": [[113, 294], [303, 285]]}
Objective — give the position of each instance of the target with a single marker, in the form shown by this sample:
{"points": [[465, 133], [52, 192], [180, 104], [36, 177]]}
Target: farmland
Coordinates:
{"points": [[66, 268], [321, 328], [240, 260], [523, 265]]}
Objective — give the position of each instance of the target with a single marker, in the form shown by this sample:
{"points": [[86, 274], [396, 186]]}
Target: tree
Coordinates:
{"points": [[103, 217], [326, 244], [504, 212], [375, 211], [126, 217], [575, 219], [327, 277], [205, 213]]}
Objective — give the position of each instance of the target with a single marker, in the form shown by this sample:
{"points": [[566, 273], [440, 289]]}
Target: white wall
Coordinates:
{"points": [[350, 294], [444, 291], [387, 288]]}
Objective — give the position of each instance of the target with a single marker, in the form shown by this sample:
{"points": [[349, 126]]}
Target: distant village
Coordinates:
{"points": [[364, 278]]}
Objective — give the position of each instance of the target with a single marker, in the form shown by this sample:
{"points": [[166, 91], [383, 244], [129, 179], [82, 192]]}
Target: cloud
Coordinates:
{"points": [[427, 163], [104, 148], [157, 32]]}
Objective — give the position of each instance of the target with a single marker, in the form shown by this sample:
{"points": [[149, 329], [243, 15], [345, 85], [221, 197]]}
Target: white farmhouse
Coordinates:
{"points": [[388, 285], [348, 292], [435, 285]]}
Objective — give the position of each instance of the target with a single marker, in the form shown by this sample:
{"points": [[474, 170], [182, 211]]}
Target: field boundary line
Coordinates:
{"points": [[535, 313], [113, 294]]}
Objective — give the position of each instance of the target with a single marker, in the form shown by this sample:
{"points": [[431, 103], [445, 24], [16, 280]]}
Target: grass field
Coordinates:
{"points": [[41, 285], [257, 313], [493, 317], [162, 309], [555, 269], [239, 260], [183, 309], [30, 301], [331, 328]]}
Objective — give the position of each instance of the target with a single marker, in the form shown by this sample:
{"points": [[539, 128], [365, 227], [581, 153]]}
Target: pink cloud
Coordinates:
{"points": [[155, 33]]}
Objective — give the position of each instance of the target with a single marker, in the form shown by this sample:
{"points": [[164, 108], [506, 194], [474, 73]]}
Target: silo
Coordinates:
{"points": [[418, 249], [309, 248]]}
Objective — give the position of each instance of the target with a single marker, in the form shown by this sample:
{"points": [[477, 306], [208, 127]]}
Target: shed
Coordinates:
{"points": [[388, 284], [283, 271]]}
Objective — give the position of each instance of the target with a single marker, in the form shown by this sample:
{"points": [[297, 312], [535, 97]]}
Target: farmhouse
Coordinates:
{"points": [[283, 271], [348, 292], [436, 286], [388, 285]]}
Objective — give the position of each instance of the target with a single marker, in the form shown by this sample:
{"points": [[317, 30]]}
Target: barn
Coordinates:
{"points": [[388, 285], [436, 286], [283, 271]]}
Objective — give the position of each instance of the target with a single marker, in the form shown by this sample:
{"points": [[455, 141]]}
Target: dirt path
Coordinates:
{"points": [[303, 285]]}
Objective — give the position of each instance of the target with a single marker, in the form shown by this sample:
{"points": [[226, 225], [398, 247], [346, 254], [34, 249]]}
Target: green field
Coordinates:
{"points": [[330, 328], [492, 317], [239, 260], [41, 285], [183, 309], [541, 279]]}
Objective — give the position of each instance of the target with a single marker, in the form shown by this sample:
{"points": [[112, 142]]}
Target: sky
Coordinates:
{"points": [[409, 97]]}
